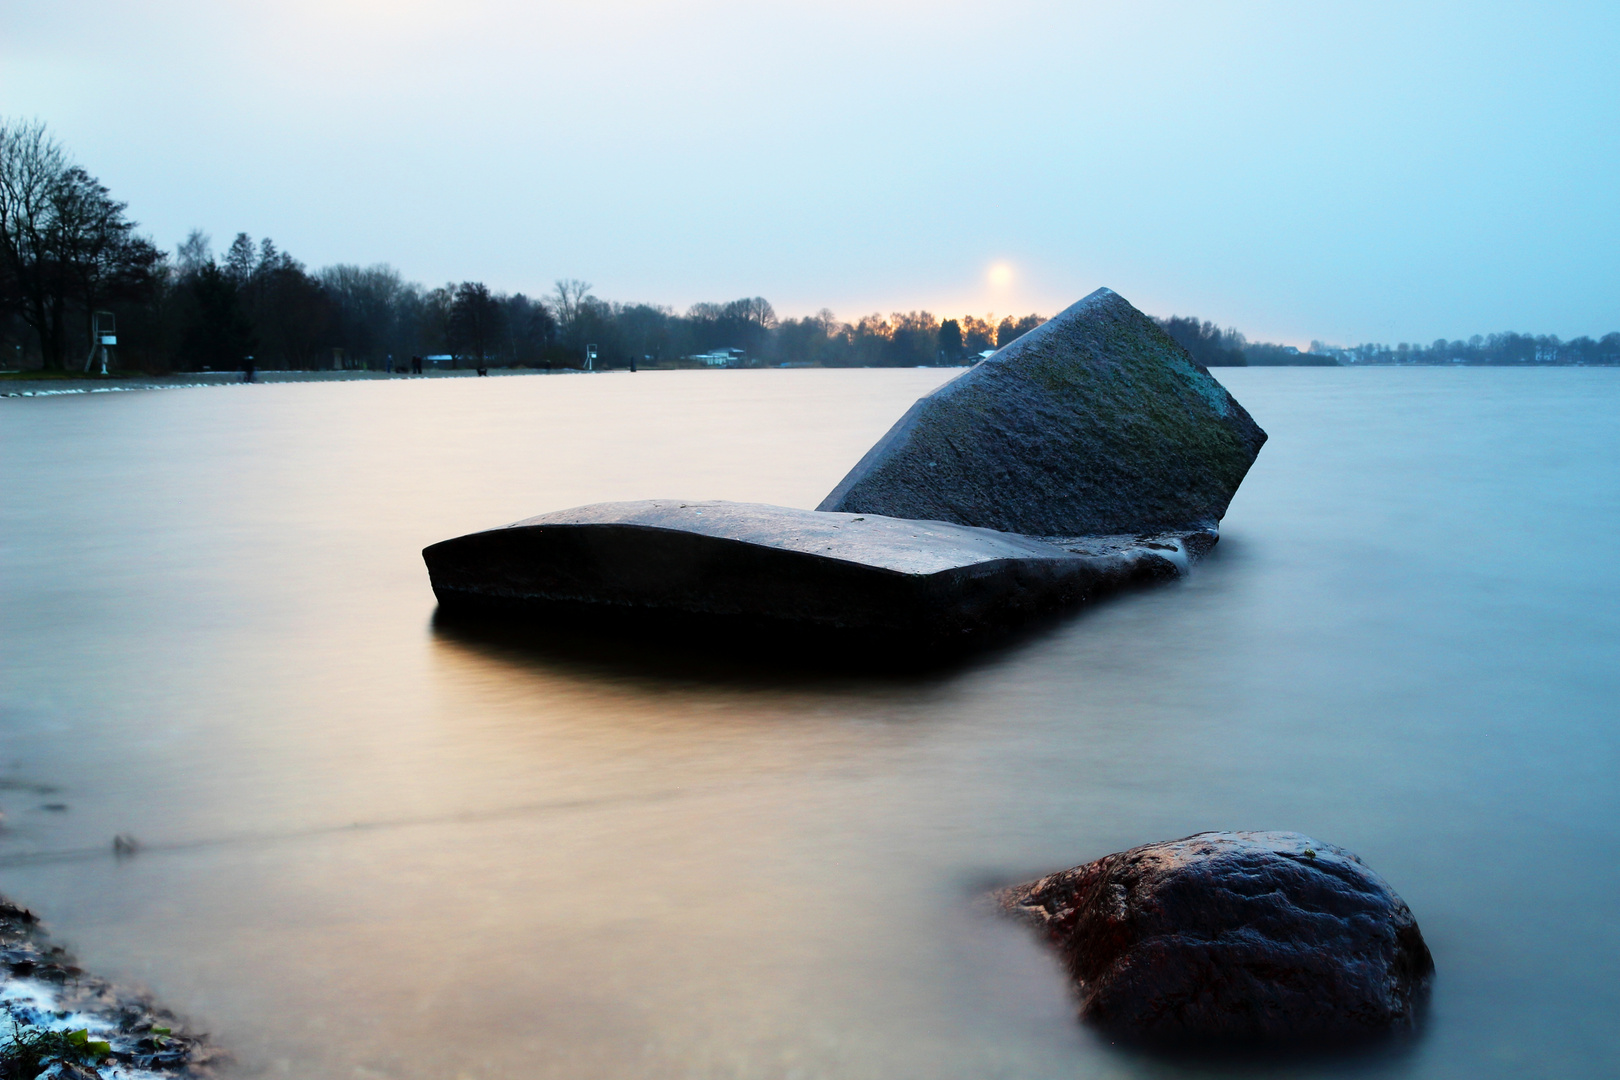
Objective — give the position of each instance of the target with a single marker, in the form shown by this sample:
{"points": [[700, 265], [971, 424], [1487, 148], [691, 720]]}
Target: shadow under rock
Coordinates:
{"points": [[726, 651]]}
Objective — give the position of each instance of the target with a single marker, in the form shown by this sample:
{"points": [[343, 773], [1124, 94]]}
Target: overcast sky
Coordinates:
{"points": [[1351, 172]]}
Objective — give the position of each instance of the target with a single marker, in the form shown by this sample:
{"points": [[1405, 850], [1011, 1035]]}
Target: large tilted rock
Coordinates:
{"points": [[1094, 422], [1094, 447], [1245, 935], [893, 584]]}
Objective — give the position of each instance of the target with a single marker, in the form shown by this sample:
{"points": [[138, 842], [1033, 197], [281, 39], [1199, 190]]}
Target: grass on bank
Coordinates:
{"points": [[30, 1049]]}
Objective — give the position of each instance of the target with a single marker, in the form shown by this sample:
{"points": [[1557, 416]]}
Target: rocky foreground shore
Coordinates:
{"points": [[62, 1023]]}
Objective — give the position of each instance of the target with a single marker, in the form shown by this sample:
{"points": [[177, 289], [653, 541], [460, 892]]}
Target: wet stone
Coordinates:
{"points": [[1267, 936], [1095, 422], [884, 581]]}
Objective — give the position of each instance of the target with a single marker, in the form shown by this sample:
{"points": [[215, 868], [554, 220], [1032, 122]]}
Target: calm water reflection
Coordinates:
{"points": [[377, 847]]}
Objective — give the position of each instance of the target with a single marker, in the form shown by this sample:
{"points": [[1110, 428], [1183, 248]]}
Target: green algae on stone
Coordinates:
{"points": [[1096, 422]]}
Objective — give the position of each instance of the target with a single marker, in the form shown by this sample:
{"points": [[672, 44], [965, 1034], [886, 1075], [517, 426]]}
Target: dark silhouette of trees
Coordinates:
{"points": [[1507, 349], [30, 164], [529, 329], [218, 333], [978, 335], [240, 261], [818, 340], [66, 247], [913, 340], [741, 324], [951, 348], [475, 321], [292, 312], [647, 333], [1208, 343], [377, 314], [1011, 329], [102, 260], [570, 294]]}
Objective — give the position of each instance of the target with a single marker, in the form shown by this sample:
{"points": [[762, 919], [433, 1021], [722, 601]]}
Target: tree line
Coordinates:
{"points": [[1495, 349], [73, 266], [1215, 347]]}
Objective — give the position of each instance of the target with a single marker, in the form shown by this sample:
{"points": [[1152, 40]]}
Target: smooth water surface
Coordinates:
{"points": [[373, 848]]}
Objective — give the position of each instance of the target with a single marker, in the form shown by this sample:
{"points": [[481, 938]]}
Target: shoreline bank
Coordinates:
{"points": [[79, 1025], [190, 380]]}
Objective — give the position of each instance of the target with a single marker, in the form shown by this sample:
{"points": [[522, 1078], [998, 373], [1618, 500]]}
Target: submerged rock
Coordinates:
{"points": [[1094, 422], [1232, 935], [875, 581]]}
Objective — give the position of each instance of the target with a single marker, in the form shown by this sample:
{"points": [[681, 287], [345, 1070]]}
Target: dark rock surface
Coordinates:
{"points": [[1096, 422], [877, 580], [1232, 935]]}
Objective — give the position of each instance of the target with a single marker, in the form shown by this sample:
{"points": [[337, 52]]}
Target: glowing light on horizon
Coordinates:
{"points": [[1000, 275]]}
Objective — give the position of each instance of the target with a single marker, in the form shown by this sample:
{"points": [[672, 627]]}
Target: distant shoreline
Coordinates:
{"points": [[17, 384]]}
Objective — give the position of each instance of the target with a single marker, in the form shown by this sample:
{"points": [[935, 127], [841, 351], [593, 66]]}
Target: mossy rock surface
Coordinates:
{"points": [[1095, 422]]}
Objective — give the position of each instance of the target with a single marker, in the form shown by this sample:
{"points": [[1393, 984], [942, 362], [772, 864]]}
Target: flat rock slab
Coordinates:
{"points": [[1096, 422], [1232, 935], [883, 581]]}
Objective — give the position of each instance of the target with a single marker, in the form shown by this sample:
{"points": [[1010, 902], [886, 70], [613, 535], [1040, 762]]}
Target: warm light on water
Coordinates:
{"points": [[378, 849]]}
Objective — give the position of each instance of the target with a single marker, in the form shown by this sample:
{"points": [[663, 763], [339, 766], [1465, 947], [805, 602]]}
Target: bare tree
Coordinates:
{"points": [[240, 260], [197, 249], [100, 257], [753, 311], [372, 303], [64, 241], [31, 167], [567, 299]]}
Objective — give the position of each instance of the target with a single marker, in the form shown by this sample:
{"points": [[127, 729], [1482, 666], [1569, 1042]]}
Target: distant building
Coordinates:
{"points": [[719, 358]]}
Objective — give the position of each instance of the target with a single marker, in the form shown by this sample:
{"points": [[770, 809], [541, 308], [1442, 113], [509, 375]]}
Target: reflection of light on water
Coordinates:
{"points": [[592, 718]]}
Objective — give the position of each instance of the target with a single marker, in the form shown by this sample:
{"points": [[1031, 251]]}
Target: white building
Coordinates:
{"points": [[719, 358]]}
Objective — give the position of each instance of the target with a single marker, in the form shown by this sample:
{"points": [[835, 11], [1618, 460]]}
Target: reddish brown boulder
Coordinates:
{"points": [[1232, 935]]}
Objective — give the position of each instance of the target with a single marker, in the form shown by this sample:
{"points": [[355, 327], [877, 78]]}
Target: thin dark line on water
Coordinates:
{"points": [[69, 855]]}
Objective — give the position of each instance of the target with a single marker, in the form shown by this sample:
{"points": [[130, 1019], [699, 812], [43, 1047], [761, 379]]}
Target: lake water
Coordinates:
{"points": [[373, 848]]}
